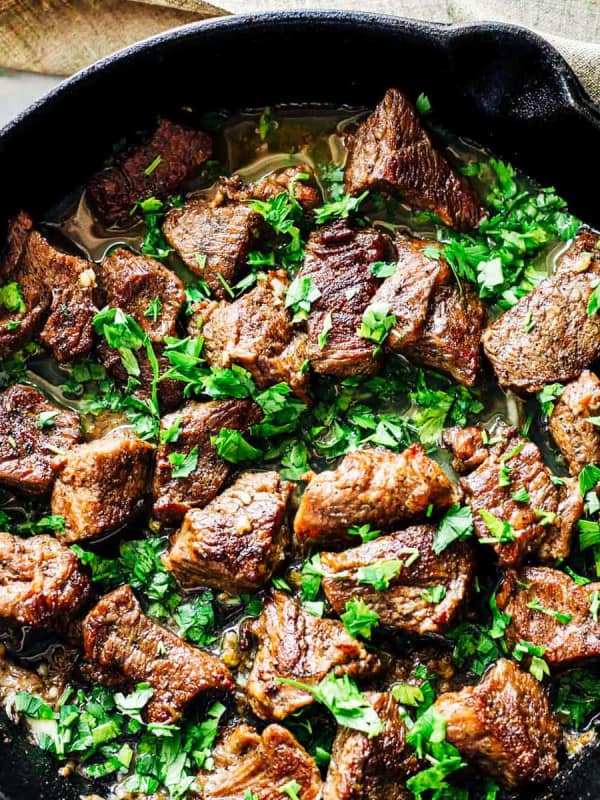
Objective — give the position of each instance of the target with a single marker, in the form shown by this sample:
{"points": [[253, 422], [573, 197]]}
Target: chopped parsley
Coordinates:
{"points": [[154, 309], [547, 396], [184, 464], [376, 324], [380, 573], [538, 667], [359, 619], [423, 104], [47, 419], [365, 532], [266, 126], [338, 209], [536, 605], [153, 165], [324, 335], [300, 295], [11, 297], [434, 594], [455, 525], [383, 269], [232, 446], [501, 531]]}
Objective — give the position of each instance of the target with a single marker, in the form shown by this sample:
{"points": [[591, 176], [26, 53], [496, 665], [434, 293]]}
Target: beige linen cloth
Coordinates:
{"points": [[61, 36]]}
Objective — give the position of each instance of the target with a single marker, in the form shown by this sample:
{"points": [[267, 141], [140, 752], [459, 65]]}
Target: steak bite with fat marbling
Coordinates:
{"points": [[274, 184], [157, 167], [577, 438], [33, 429], [424, 596], [123, 647], [337, 261], [549, 336], [293, 644], [256, 333], [42, 584], [392, 152], [373, 487], [504, 725], [101, 485], [236, 541], [214, 241], [196, 423], [547, 608], [248, 763]]}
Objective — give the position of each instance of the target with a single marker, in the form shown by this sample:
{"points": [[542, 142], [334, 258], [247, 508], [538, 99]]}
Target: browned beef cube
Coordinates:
{"points": [[467, 447], [376, 768], [255, 332], [57, 293], [214, 242], [173, 497], [564, 339], [338, 260], [409, 604], [576, 438], [138, 173], [248, 763], [391, 152], [237, 541], [293, 644], [504, 725], [305, 191], [374, 487], [101, 485], [41, 582], [568, 639], [123, 646], [33, 429], [438, 323], [544, 523], [132, 282]]}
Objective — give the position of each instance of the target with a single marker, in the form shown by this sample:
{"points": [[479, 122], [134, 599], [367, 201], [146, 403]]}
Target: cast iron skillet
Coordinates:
{"points": [[498, 84]]}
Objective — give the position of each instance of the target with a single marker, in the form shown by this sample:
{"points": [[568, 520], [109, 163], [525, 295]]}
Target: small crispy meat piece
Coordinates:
{"points": [[173, 497], [28, 443], [337, 260], [504, 725], [295, 645], [273, 184], [564, 340], [567, 641], [237, 541], [41, 583], [391, 152], [57, 292], [375, 487], [122, 646], [133, 176], [438, 323], [467, 447], [256, 333], [214, 242], [101, 485], [545, 523], [259, 764], [131, 282], [405, 605], [576, 438], [376, 768]]}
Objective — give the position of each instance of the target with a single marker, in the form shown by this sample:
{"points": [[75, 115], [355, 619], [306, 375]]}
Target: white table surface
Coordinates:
{"points": [[19, 89]]}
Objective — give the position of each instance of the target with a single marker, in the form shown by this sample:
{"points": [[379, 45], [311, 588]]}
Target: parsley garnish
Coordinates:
{"points": [[359, 619], [232, 446], [11, 297], [548, 395], [338, 209], [434, 594], [455, 525], [376, 324], [423, 104], [154, 309], [153, 165], [265, 124], [365, 532], [47, 419], [501, 531], [536, 605], [183, 464], [383, 269], [324, 335], [300, 295], [380, 573]]}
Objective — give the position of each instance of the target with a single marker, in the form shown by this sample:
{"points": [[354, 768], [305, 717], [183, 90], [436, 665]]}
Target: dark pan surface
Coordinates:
{"points": [[498, 84]]}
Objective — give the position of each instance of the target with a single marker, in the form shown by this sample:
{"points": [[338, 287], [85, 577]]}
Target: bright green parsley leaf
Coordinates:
{"points": [[501, 531], [32, 706], [548, 395], [431, 251], [171, 434], [294, 462], [577, 698], [232, 446], [338, 209], [544, 517], [324, 335], [380, 573], [490, 274], [50, 522], [520, 495], [428, 738], [423, 104], [538, 667], [365, 532], [311, 574], [383, 269], [536, 605], [589, 477], [300, 295], [434, 594], [359, 619], [11, 297], [248, 795], [131, 705], [500, 620], [455, 525], [594, 301], [154, 309], [376, 324], [529, 323], [407, 694], [183, 464], [196, 619], [589, 533], [595, 604], [153, 165], [291, 789], [46, 419], [153, 210]]}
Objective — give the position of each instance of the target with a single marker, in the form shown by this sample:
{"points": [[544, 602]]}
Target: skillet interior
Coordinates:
{"points": [[500, 85]]}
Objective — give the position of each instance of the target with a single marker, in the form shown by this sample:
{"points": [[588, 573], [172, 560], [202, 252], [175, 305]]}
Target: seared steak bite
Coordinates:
{"points": [[372, 487], [576, 438], [543, 521], [295, 645], [376, 768], [133, 282], [549, 336], [338, 261], [237, 540], [122, 646], [248, 763], [197, 422], [256, 332], [33, 429], [156, 167], [504, 725], [213, 242], [467, 447], [561, 619], [41, 583], [101, 485], [438, 323], [305, 191], [391, 152], [56, 290], [426, 593]]}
